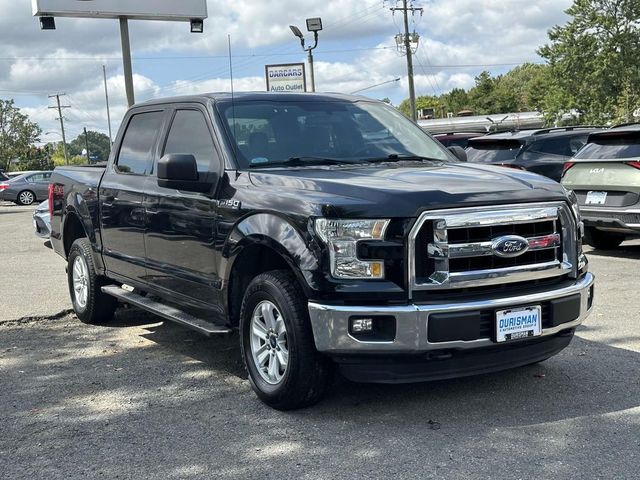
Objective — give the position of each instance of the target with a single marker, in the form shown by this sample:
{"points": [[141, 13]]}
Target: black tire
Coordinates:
{"points": [[603, 240], [308, 373], [98, 307], [26, 197]]}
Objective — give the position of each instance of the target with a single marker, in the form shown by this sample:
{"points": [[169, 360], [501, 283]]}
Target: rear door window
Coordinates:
{"points": [[138, 142], [483, 151], [190, 135], [39, 177]]}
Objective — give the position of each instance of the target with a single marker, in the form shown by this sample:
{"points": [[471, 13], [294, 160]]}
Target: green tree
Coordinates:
{"points": [[17, 134], [595, 59], [99, 145], [456, 100], [423, 101]]}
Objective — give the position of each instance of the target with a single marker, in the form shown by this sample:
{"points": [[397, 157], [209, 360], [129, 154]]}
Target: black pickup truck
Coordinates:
{"points": [[328, 230]]}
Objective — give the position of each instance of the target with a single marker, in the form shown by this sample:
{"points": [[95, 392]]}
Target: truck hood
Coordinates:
{"points": [[405, 189]]}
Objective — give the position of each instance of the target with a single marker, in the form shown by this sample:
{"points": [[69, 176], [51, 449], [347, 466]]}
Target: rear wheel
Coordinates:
{"points": [[89, 302], [602, 240], [26, 197], [285, 369]]}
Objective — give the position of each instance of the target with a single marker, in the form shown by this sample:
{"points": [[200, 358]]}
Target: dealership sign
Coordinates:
{"points": [[289, 77]]}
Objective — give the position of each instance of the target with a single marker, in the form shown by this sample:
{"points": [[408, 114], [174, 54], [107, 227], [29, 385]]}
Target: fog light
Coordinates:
{"points": [[362, 325]]}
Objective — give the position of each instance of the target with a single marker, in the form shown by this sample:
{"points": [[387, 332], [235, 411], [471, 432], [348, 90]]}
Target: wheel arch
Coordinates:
{"points": [[258, 244], [73, 228]]}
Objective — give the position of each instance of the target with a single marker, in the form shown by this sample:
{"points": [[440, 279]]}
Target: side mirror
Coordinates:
{"points": [[180, 172], [458, 152]]}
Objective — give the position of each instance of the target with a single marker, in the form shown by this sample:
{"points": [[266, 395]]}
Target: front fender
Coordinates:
{"points": [[274, 232]]}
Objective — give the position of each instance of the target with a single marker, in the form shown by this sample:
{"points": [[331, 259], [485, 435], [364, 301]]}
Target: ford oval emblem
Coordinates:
{"points": [[509, 246]]}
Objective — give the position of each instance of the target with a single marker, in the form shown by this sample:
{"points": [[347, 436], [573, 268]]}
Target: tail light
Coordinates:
{"points": [[566, 167], [3, 186], [634, 164], [56, 192]]}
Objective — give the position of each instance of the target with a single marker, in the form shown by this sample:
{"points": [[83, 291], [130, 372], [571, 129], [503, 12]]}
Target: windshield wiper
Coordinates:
{"points": [[394, 157], [301, 162]]}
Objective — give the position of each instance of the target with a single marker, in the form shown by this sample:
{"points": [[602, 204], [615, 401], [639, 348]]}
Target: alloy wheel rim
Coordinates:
{"points": [[26, 198], [268, 338], [80, 281]]}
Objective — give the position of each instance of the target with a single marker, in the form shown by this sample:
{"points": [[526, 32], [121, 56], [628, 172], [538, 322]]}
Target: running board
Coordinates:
{"points": [[169, 313]]}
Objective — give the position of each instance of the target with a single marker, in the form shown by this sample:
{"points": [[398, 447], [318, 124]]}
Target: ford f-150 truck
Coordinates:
{"points": [[328, 231]]}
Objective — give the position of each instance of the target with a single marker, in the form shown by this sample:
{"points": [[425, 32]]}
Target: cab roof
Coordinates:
{"points": [[257, 96]]}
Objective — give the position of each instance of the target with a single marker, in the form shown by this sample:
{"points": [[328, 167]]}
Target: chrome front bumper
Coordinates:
{"points": [[330, 323]]}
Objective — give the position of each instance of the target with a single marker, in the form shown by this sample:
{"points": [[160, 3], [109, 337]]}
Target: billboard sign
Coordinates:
{"points": [[183, 10], [288, 77]]}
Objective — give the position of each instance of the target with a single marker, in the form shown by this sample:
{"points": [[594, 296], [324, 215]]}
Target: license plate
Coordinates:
{"points": [[596, 198], [518, 323]]}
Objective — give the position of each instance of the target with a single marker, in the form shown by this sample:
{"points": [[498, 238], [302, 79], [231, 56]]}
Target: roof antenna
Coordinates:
{"points": [[233, 104]]}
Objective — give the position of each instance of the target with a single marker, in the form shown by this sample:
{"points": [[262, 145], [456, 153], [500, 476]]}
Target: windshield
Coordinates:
{"points": [[323, 132], [608, 148], [493, 152]]}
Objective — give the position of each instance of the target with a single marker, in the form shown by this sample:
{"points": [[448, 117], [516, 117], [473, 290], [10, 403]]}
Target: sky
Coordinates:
{"points": [[458, 40]]}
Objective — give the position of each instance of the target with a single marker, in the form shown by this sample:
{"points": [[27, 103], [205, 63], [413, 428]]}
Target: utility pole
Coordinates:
{"points": [[106, 96], [61, 118], [86, 145], [406, 40]]}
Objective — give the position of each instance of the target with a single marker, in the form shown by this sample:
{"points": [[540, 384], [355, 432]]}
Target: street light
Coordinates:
{"points": [[313, 25]]}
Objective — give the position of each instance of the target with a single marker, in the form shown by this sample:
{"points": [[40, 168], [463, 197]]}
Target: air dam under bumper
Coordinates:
{"points": [[330, 323]]}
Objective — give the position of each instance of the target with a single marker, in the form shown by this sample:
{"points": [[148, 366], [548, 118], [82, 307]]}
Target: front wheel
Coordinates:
{"points": [[285, 369], [89, 302], [603, 240]]}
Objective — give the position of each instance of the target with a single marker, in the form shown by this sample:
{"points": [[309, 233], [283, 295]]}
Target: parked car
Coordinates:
{"points": [[42, 220], [384, 256], [26, 189], [543, 151], [459, 139], [3, 177], [605, 175]]}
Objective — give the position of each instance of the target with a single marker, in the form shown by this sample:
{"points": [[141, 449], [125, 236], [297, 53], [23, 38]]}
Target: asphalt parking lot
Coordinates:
{"points": [[140, 398]]}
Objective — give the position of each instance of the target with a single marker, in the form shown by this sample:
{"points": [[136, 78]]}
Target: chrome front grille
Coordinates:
{"points": [[462, 248]]}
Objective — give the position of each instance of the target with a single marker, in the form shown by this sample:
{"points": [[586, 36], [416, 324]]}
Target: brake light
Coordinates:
{"points": [[3, 186], [634, 164], [56, 192], [566, 167]]}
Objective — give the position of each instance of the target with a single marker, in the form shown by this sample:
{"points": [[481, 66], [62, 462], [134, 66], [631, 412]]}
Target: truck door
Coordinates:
{"points": [[121, 193], [180, 238]]}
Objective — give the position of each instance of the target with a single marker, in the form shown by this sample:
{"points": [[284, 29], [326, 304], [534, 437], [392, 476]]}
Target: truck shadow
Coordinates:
{"points": [[587, 378]]}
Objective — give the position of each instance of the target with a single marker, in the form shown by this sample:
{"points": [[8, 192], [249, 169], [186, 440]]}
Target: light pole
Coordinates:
{"points": [[313, 25], [193, 11]]}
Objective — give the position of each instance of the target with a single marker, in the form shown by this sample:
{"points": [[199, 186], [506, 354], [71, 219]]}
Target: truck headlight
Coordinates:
{"points": [[342, 237]]}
